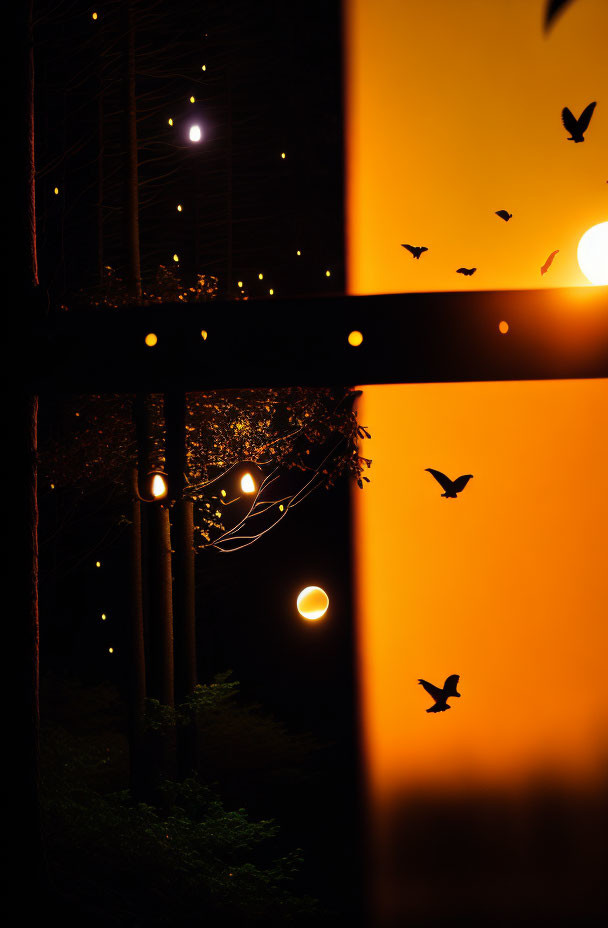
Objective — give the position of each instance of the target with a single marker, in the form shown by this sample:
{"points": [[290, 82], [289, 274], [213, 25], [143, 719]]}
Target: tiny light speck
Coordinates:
{"points": [[170, 121], [355, 338], [281, 508], [261, 276], [111, 650], [97, 563], [328, 273], [283, 156], [239, 283], [56, 191], [94, 15], [223, 492], [179, 207], [195, 133], [271, 292], [204, 334], [192, 100], [103, 616], [176, 258], [151, 339], [503, 327], [204, 67], [298, 252]]}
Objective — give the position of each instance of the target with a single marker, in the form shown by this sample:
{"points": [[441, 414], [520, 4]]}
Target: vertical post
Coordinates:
{"points": [[132, 182], [137, 694]]}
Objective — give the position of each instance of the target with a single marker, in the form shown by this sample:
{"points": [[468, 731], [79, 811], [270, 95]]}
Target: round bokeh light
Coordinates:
{"points": [[312, 603], [592, 254]]}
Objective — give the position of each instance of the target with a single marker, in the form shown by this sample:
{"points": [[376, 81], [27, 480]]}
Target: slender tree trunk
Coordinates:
{"points": [[137, 695], [132, 181], [182, 535], [100, 160]]}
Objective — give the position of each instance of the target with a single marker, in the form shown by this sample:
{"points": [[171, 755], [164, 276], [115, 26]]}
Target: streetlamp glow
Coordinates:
{"points": [[247, 483], [195, 133], [592, 254]]}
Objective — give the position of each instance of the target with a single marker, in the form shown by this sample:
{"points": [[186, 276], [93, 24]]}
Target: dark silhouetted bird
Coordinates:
{"points": [[552, 9], [576, 127], [451, 487], [504, 214], [548, 262], [415, 250], [467, 271], [441, 696]]}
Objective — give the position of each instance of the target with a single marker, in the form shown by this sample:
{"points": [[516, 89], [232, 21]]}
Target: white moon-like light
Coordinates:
{"points": [[159, 486], [592, 254], [247, 484], [312, 602], [195, 133]]}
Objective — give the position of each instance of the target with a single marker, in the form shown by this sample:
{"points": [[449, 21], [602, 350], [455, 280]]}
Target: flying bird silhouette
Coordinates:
{"points": [[504, 214], [441, 696], [451, 487], [415, 250], [548, 262], [467, 271], [576, 127]]}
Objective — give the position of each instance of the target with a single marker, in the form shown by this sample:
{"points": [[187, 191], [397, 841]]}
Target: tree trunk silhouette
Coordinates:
{"points": [[131, 201]]}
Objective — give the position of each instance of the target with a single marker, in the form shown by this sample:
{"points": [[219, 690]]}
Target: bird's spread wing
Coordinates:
{"points": [[422, 248], [548, 262], [570, 123], [461, 482], [452, 682], [410, 248], [503, 214], [445, 482], [433, 691], [585, 117]]}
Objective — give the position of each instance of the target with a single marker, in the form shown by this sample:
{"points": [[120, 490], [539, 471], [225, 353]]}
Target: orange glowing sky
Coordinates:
{"points": [[506, 585], [453, 112]]}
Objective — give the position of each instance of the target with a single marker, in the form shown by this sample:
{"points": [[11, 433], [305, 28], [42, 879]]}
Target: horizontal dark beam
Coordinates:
{"points": [[421, 337]]}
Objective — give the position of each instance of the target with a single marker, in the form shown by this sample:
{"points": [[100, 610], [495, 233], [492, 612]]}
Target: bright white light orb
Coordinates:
{"points": [[247, 484], [592, 254], [312, 603], [159, 486], [195, 133]]}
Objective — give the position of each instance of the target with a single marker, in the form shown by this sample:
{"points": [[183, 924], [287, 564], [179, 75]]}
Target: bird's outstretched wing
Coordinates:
{"points": [[466, 270], [585, 118], [461, 482], [548, 262], [432, 690], [439, 707], [451, 683], [424, 248], [504, 214], [444, 481], [569, 122], [410, 248]]}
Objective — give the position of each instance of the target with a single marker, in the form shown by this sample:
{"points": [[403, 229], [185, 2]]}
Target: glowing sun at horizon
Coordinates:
{"points": [[592, 254], [312, 603]]}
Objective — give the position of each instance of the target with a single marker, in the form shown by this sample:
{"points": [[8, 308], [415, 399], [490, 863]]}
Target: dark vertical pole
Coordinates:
{"points": [[100, 158], [132, 181], [137, 681], [161, 679]]}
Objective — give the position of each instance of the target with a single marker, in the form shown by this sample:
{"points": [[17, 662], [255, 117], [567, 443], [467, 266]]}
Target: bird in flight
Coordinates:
{"points": [[548, 262], [504, 214], [441, 696], [467, 271], [415, 250], [576, 127], [451, 487]]}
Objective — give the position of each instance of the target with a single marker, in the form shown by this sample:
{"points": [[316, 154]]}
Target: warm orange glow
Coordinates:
{"points": [[94, 15], [158, 486], [503, 327], [56, 191], [97, 563], [179, 207], [247, 483], [442, 131], [151, 339], [204, 334], [355, 338], [312, 603], [592, 254], [504, 585]]}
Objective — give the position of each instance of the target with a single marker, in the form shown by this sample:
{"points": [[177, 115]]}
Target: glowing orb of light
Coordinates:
{"points": [[592, 254], [312, 603], [151, 339], [355, 338], [195, 133], [503, 327], [158, 486], [247, 484]]}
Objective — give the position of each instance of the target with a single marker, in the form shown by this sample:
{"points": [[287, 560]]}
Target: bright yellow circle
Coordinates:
{"points": [[355, 338], [312, 603], [151, 339]]}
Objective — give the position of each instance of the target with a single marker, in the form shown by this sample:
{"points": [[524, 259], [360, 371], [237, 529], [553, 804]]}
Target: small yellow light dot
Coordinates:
{"points": [[281, 507], [56, 191], [176, 258], [328, 273], [111, 650], [204, 334], [223, 492], [355, 338], [271, 292], [170, 122], [97, 563], [283, 155], [261, 276], [204, 67], [192, 100], [151, 339], [298, 252], [503, 327], [94, 15], [52, 486], [239, 283], [179, 207], [103, 616]]}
